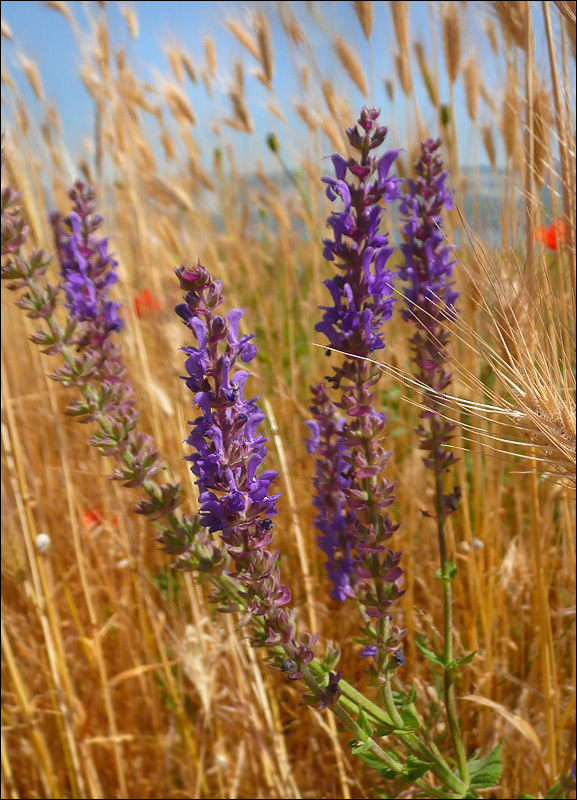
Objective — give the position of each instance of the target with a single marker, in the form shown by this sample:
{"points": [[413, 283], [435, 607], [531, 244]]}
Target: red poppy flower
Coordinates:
{"points": [[145, 301], [551, 235], [95, 516]]}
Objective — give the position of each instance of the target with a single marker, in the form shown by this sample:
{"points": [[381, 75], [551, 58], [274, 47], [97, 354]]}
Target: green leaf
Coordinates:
{"points": [[486, 772], [459, 662], [466, 659], [383, 730], [415, 768], [361, 750], [436, 659], [410, 721], [448, 573], [364, 724]]}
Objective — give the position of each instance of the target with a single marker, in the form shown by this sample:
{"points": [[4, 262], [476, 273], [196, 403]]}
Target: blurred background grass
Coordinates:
{"points": [[117, 678]]}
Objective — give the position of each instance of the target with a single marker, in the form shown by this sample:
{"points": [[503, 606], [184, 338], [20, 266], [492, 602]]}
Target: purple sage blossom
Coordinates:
{"points": [[228, 460], [347, 432], [87, 268], [430, 297]]}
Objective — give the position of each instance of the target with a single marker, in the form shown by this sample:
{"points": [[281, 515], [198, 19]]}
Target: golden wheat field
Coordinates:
{"points": [[119, 678]]}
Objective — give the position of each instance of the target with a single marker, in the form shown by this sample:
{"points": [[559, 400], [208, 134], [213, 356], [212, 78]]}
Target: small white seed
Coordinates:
{"points": [[43, 542]]}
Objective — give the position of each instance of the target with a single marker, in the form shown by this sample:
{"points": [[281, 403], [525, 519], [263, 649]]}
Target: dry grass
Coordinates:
{"points": [[365, 14], [351, 63], [118, 679]]}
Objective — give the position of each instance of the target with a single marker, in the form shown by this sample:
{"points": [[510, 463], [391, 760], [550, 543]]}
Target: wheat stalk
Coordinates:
{"points": [[241, 35], [265, 49], [365, 14], [511, 15], [131, 20], [491, 32], [472, 86], [489, 142], [423, 63], [30, 69], [351, 63], [5, 30], [542, 120], [509, 117], [210, 55], [179, 105], [401, 22], [452, 40]]}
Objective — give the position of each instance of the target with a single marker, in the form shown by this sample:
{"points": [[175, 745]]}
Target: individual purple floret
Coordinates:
{"points": [[348, 434], [430, 296], [229, 453], [87, 268]]}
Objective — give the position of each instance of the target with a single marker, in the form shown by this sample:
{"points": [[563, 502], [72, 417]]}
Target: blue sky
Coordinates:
{"points": [[45, 35]]}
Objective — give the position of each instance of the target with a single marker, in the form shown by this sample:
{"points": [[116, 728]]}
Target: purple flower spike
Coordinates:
{"points": [[347, 433], [229, 452], [86, 267], [430, 296]]}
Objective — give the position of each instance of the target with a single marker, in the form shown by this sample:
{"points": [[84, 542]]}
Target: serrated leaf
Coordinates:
{"points": [[436, 659], [465, 659], [361, 750], [410, 720], [415, 768], [487, 771], [410, 723]]}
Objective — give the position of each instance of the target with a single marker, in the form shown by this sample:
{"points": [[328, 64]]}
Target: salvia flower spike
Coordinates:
{"points": [[347, 432], [228, 459], [430, 296], [87, 268]]}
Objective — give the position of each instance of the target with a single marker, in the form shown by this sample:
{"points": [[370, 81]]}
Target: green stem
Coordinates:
{"points": [[411, 741], [450, 701], [343, 715], [295, 182]]}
